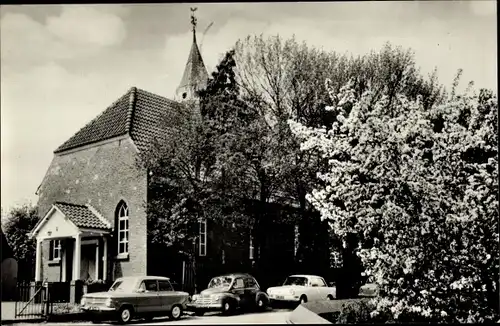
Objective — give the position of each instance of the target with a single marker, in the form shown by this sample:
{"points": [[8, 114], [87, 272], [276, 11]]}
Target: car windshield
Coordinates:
{"points": [[220, 282], [296, 280], [124, 285]]}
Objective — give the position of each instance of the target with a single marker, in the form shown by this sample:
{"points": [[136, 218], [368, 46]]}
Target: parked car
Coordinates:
{"points": [[130, 297], [301, 289], [369, 289], [228, 293]]}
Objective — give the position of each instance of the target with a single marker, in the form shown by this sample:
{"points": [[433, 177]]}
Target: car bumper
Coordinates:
{"points": [[101, 312], [203, 307], [283, 298]]}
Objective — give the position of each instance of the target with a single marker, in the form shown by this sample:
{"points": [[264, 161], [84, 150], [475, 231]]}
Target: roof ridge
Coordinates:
{"points": [[158, 95], [131, 102], [101, 218]]}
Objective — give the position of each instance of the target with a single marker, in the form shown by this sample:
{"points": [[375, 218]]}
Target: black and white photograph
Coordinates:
{"points": [[331, 162]]}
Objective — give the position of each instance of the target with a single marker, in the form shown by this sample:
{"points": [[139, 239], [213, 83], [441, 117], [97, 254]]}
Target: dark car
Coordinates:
{"points": [[227, 293], [129, 297]]}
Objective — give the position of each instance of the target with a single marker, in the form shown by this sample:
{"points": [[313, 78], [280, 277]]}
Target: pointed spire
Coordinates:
{"points": [[195, 74]]}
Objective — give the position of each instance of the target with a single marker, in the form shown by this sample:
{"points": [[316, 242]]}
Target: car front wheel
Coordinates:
{"points": [[176, 312], [125, 315], [227, 307]]}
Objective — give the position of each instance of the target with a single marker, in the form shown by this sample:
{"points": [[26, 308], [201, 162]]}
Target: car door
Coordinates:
{"points": [[148, 300], [167, 295], [239, 290], [315, 291], [251, 289], [323, 288]]}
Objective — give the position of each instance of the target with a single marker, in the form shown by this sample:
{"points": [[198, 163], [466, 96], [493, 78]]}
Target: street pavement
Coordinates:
{"points": [[276, 316]]}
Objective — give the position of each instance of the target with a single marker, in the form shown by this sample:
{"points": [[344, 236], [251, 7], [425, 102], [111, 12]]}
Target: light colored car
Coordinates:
{"points": [[129, 297], [301, 289], [370, 289]]}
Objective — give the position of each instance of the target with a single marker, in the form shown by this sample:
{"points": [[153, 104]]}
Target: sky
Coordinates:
{"points": [[62, 65]]}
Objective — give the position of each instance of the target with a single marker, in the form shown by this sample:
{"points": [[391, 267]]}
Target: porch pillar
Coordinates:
{"points": [[63, 263], [105, 259], [97, 260], [38, 260], [76, 257]]}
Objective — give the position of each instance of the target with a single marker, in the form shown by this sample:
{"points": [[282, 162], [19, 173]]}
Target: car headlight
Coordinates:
{"points": [[83, 301], [216, 297], [108, 302], [195, 297], [292, 292]]}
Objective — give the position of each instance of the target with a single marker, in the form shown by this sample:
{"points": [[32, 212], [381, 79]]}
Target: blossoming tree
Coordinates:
{"points": [[419, 186]]}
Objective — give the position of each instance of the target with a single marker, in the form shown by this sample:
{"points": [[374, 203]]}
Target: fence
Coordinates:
{"points": [[36, 300], [32, 301]]}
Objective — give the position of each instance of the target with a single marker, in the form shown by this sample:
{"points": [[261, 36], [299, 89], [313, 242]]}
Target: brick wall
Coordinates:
{"points": [[101, 176]]}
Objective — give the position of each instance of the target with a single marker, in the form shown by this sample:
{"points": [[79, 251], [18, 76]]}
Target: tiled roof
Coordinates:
{"points": [[148, 121], [110, 123], [138, 113], [83, 216]]}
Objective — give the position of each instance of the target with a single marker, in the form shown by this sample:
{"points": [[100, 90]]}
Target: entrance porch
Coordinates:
{"points": [[78, 237]]}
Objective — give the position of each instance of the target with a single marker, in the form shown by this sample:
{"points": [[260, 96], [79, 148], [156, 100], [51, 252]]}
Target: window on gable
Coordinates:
{"points": [[203, 238], [123, 228], [55, 250]]}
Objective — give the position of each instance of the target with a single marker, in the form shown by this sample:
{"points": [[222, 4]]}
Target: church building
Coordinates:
{"points": [[92, 200]]}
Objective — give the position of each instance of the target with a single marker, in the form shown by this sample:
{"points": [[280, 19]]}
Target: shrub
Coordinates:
{"points": [[419, 186], [65, 308]]}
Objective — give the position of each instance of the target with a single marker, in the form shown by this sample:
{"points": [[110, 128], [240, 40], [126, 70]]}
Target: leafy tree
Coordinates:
{"points": [[19, 222], [283, 79], [191, 175], [243, 150], [419, 185]]}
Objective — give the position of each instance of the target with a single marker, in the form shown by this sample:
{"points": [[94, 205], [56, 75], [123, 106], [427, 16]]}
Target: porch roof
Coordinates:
{"points": [[67, 219]]}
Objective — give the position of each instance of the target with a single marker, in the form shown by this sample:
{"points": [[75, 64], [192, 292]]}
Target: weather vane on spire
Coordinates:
{"points": [[194, 21]]}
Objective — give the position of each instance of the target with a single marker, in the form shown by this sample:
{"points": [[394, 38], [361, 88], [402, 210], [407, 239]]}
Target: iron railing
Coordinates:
{"points": [[33, 300]]}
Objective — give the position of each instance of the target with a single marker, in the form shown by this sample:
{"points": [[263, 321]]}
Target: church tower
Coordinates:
{"points": [[195, 74]]}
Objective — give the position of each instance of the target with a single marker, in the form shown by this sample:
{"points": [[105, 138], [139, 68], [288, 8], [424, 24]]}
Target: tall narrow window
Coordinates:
{"points": [[251, 248], [203, 238], [123, 228], [55, 250]]}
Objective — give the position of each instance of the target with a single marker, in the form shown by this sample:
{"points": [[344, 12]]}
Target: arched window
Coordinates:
{"points": [[123, 227]]}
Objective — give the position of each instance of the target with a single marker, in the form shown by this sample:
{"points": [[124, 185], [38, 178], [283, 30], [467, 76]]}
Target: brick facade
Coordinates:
{"points": [[100, 175]]}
